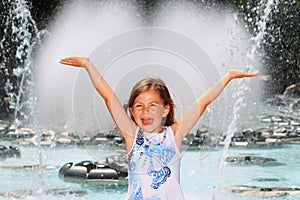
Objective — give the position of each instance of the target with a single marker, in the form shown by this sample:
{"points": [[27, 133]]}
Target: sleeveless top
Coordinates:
{"points": [[154, 170]]}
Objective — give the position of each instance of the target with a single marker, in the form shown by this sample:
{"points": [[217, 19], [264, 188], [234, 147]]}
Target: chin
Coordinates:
{"points": [[147, 128]]}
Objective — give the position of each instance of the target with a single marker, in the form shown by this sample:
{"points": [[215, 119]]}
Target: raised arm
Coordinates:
{"points": [[119, 115], [188, 120]]}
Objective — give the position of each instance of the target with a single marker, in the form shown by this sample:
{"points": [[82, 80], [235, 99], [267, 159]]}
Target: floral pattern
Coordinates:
{"points": [[149, 161]]}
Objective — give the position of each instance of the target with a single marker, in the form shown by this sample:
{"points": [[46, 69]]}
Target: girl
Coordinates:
{"points": [[153, 137]]}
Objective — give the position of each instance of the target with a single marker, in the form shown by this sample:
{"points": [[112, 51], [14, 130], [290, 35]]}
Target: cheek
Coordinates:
{"points": [[158, 112], [134, 113]]}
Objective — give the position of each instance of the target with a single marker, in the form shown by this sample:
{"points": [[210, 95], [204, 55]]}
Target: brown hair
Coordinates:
{"points": [[160, 87]]}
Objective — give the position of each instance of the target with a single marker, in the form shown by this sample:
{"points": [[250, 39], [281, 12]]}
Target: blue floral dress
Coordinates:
{"points": [[154, 167]]}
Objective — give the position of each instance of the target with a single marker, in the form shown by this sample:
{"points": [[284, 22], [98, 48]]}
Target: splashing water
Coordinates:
{"points": [[243, 84], [18, 45], [184, 18], [17, 48], [64, 45]]}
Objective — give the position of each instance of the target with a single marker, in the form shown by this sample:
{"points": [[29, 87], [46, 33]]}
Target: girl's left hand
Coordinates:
{"points": [[241, 74]]}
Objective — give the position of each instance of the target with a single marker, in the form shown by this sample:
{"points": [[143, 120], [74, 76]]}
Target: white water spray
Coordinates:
{"points": [[243, 84], [24, 101], [20, 30]]}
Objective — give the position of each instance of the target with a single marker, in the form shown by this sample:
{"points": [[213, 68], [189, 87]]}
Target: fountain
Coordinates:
{"points": [[240, 96], [63, 45], [19, 43], [125, 42], [118, 52], [20, 37]]}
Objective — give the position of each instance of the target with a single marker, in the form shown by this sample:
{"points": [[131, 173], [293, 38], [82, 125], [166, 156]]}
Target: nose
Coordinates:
{"points": [[146, 109]]}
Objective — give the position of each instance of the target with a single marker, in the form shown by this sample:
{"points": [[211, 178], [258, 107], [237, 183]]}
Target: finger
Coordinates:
{"points": [[254, 73], [66, 62], [250, 74], [65, 59]]}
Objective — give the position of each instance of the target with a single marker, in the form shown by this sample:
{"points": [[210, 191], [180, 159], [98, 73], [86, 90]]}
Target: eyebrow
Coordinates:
{"points": [[148, 103]]}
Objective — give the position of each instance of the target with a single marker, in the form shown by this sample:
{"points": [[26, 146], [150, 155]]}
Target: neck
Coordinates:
{"points": [[158, 130]]}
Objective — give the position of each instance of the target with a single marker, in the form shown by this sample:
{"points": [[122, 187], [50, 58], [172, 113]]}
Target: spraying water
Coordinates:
{"points": [[79, 34], [243, 84], [209, 33], [17, 46], [80, 29]]}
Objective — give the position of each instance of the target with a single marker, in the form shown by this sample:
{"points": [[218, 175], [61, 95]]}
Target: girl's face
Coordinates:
{"points": [[148, 110]]}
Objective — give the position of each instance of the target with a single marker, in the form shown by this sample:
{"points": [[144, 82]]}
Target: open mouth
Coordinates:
{"points": [[147, 121]]}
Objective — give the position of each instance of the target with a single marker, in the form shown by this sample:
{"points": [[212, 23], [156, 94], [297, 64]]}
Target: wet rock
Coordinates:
{"points": [[47, 138], [118, 140], [29, 167], [278, 131], [273, 141], [267, 179], [202, 138], [240, 144], [249, 159], [266, 133], [276, 119], [100, 140], [14, 133], [86, 139], [266, 119], [185, 141], [64, 140], [9, 152], [256, 191], [40, 193], [295, 123]]}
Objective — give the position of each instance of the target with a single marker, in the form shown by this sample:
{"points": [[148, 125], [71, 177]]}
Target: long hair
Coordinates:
{"points": [[160, 87]]}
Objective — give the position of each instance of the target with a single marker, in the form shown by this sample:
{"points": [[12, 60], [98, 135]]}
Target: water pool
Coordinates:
{"points": [[199, 171]]}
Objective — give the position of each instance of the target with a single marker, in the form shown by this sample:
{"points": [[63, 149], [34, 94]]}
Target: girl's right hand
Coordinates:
{"points": [[75, 61]]}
